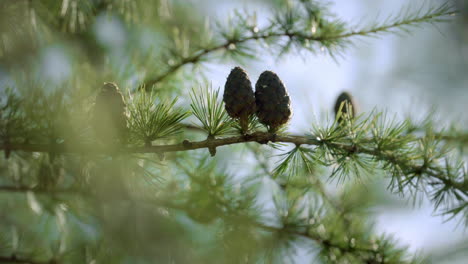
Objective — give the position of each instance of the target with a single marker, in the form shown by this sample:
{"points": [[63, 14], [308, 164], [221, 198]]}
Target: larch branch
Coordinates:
{"points": [[259, 137], [200, 54]]}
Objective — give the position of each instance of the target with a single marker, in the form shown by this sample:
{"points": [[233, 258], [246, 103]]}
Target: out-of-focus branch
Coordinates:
{"points": [[408, 167], [14, 259], [304, 232]]}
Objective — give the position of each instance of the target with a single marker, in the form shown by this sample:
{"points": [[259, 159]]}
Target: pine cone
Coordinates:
{"points": [[272, 100], [239, 99], [348, 109], [109, 115]]}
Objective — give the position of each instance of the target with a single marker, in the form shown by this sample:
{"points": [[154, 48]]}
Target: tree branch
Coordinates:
{"points": [[200, 54], [22, 189], [317, 239], [317, 182], [259, 137], [438, 13], [15, 259]]}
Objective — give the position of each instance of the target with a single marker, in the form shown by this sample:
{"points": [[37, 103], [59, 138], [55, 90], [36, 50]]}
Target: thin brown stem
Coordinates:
{"points": [[197, 56], [259, 137]]}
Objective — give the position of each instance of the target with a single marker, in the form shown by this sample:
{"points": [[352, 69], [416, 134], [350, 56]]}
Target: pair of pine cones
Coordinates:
{"points": [[270, 102]]}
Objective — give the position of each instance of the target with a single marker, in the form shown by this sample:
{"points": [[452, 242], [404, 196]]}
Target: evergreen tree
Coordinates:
{"points": [[113, 159]]}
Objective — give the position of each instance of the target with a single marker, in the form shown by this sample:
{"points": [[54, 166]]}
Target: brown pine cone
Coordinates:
{"points": [[109, 115], [239, 99], [272, 100], [348, 107]]}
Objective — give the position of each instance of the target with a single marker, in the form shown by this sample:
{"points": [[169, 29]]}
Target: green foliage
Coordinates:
{"points": [[151, 120], [252, 125], [47, 113], [298, 161], [209, 110], [295, 26], [11, 118]]}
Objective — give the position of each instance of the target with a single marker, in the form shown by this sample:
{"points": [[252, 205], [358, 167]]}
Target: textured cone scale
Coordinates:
{"points": [[109, 118], [348, 107], [239, 99], [272, 100]]}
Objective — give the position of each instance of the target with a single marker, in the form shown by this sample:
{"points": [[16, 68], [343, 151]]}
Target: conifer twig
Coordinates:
{"points": [[259, 137], [431, 15], [318, 239], [317, 183]]}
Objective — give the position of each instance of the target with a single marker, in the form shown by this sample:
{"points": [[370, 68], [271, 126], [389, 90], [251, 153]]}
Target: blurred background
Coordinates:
{"points": [[409, 74]]}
